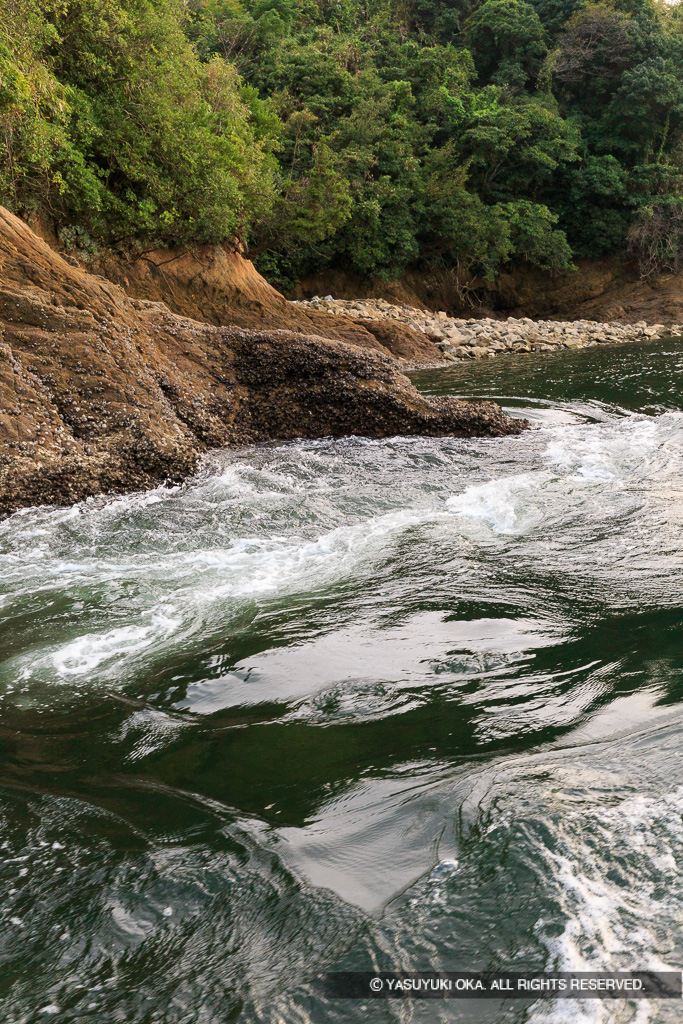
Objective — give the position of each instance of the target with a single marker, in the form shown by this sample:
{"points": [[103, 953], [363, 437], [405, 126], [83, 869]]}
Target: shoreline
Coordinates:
{"points": [[460, 339], [105, 392]]}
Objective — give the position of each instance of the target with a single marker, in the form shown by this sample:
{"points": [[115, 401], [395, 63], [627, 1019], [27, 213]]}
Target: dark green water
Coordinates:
{"points": [[412, 703]]}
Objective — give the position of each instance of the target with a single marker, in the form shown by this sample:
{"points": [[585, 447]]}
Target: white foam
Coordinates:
{"points": [[612, 450], [201, 580], [611, 925], [86, 653], [308, 515], [498, 502]]}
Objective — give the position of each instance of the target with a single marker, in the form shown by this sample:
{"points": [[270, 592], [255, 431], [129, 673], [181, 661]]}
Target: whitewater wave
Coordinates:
{"points": [[145, 571]]}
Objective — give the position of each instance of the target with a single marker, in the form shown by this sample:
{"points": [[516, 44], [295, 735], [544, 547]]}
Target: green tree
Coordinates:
{"points": [[144, 140], [508, 41], [367, 135]]}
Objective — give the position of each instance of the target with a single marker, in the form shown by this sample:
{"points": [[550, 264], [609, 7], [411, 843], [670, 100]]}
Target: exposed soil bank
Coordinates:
{"points": [[100, 391], [596, 290], [217, 285]]}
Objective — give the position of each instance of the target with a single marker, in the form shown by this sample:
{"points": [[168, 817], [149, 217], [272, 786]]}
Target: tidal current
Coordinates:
{"points": [[348, 704]]}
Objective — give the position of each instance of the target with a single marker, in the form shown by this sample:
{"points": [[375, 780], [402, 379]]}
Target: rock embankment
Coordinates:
{"points": [[458, 338], [103, 392], [216, 284]]}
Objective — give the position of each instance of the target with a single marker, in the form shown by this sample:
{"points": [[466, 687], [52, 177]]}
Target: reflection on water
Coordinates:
{"points": [[413, 703]]}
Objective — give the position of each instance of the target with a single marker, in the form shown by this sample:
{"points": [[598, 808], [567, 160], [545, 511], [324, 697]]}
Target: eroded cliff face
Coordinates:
{"points": [[101, 391], [218, 285], [600, 290]]}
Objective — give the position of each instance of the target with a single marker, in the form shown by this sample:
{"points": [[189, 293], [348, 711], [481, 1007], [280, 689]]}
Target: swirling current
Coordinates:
{"points": [[349, 704]]}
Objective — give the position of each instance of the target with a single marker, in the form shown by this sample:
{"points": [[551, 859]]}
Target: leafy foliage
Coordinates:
{"points": [[656, 237], [365, 135], [111, 121]]}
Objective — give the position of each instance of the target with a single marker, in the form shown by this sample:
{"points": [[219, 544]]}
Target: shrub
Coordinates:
{"points": [[656, 237]]}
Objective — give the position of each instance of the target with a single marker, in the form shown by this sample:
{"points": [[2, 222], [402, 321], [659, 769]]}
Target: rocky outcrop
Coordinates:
{"points": [[402, 340], [457, 338], [100, 391], [217, 285]]}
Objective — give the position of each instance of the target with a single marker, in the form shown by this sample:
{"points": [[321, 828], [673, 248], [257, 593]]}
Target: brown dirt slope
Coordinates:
{"points": [[599, 290], [101, 392], [216, 284]]}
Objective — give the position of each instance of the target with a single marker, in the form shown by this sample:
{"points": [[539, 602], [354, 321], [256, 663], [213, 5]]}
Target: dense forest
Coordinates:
{"points": [[371, 135]]}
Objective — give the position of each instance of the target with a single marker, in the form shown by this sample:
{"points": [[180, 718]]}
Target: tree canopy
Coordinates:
{"points": [[370, 135]]}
